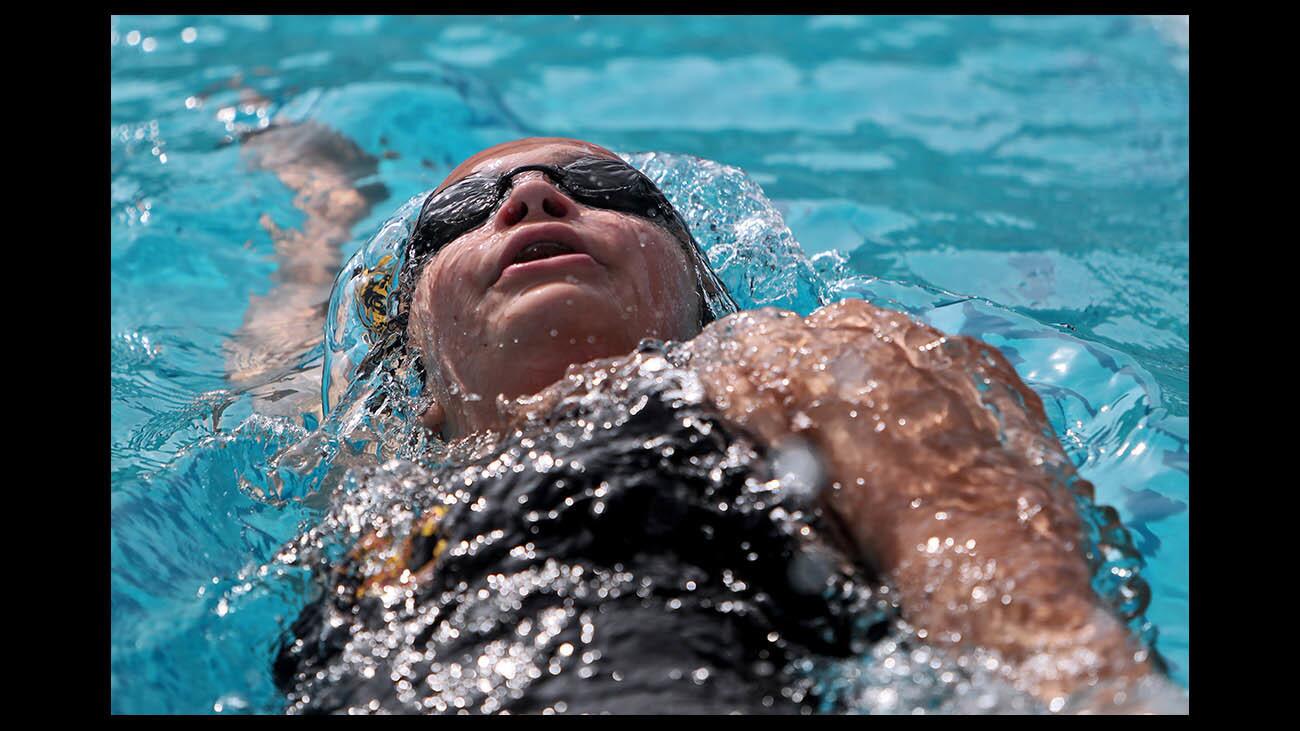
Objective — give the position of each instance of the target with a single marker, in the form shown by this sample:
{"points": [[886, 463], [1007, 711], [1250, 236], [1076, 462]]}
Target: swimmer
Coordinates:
{"points": [[537, 269]]}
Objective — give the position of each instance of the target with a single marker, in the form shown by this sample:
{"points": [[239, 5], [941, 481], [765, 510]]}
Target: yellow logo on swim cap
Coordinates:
{"points": [[371, 289]]}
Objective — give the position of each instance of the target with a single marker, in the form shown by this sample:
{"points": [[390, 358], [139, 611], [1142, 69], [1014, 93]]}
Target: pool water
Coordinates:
{"points": [[1021, 180]]}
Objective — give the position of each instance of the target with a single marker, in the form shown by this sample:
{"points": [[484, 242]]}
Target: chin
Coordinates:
{"points": [[566, 305], [540, 344], [568, 316]]}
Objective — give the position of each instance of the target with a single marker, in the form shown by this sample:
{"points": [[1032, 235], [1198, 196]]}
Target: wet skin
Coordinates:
{"points": [[940, 464], [487, 328]]}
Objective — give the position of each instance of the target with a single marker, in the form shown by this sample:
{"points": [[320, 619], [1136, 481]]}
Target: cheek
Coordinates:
{"points": [[662, 271], [668, 271], [445, 298]]}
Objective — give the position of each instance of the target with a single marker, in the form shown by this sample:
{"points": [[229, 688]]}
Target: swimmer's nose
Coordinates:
{"points": [[534, 198]]}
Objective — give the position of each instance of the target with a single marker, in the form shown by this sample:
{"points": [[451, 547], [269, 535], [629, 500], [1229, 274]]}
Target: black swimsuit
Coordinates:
{"points": [[628, 553]]}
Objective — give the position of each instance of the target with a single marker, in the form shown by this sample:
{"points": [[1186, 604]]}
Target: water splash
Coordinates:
{"points": [[1102, 400]]}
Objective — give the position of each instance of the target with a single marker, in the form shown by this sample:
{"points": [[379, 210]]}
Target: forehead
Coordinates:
{"points": [[531, 151]]}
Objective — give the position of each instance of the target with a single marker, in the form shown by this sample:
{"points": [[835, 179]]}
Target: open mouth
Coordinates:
{"points": [[542, 250]]}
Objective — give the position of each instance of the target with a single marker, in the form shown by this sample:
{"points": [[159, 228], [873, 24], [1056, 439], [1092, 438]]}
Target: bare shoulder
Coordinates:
{"points": [[894, 405], [767, 335], [941, 467], [770, 366]]}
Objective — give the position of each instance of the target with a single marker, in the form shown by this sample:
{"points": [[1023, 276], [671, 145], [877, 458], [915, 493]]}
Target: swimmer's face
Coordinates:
{"points": [[492, 322]]}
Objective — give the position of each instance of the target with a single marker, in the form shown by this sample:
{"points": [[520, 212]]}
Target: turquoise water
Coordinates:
{"points": [[1020, 180]]}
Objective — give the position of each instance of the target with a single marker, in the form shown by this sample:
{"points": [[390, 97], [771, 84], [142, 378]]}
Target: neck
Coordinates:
{"points": [[523, 371], [472, 417], [475, 412]]}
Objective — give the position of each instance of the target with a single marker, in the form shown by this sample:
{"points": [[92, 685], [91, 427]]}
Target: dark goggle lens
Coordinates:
{"points": [[616, 186], [452, 212], [598, 182]]}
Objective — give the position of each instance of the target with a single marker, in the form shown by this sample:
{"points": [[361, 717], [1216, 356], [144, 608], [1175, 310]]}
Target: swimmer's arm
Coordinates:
{"points": [[921, 450], [322, 167]]}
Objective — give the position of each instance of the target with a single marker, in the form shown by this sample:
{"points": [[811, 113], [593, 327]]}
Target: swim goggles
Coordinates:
{"points": [[598, 182]]}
